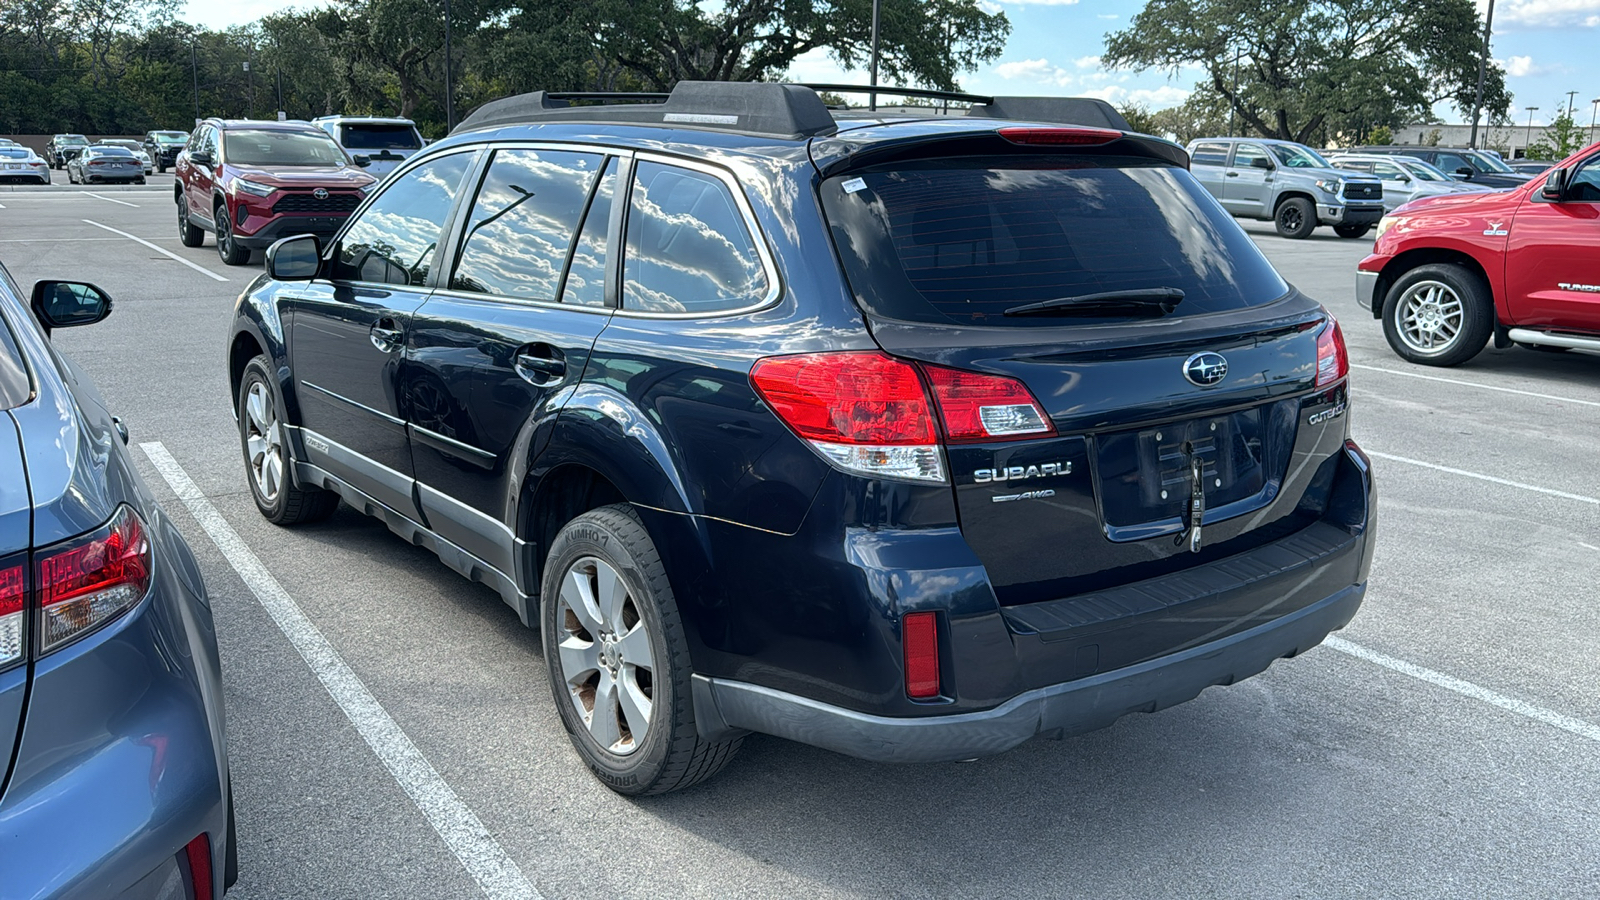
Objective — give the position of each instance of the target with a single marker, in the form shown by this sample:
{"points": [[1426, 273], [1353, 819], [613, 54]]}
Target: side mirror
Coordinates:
{"points": [[363, 160], [1555, 185], [201, 158], [65, 304], [1464, 172], [297, 258], [1259, 163], [1403, 179]]}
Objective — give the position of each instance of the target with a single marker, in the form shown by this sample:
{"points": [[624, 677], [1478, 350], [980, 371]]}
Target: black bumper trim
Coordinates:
{"points": [[725, 708]]}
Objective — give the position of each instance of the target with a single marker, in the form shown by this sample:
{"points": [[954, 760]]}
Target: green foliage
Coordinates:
{"points": [[1383, 134], [1562, 138], [1293, 69], [125, 66]]}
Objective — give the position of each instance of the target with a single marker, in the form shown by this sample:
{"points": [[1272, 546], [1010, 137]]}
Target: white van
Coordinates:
{"points": [[384, 142]]}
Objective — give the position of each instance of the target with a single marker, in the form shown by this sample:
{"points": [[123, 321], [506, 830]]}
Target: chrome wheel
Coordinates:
{"points": [[263, 442], [607, 664], [1429, 317]]}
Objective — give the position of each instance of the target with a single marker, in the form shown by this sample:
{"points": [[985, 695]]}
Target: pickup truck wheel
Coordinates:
{"points": [[1296, 218], [189, 234], [1438, 315], [1351, 231], [266, 454], [618, 659], [227, 245]]}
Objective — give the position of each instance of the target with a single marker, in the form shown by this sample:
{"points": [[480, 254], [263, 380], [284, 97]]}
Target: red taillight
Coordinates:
{"points": [[198, 852], [863, 410], [920, 638], [13, 597], [1333, 360], [87, 581], [979, 407], [1070, 137]]}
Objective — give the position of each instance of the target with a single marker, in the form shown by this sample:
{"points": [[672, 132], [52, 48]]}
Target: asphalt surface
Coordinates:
{"points": [[1445, 746]]}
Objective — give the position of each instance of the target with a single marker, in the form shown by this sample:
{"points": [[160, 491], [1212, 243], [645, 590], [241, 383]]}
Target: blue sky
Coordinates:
{"points": [[1055, 48]]}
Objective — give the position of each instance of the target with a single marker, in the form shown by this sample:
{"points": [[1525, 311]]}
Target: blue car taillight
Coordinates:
{"points": [[87, 581], [13, 600]]}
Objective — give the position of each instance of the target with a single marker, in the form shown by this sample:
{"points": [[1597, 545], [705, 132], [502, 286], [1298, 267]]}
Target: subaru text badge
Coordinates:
{"points": [[1205, 368]]}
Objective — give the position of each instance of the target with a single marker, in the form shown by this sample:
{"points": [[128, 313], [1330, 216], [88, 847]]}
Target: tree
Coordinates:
{"points": [[1383, 134], [1305, 66], [1562, 138]]}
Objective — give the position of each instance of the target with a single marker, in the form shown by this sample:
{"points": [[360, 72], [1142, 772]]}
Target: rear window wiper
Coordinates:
{"points": [[1156, 301]]}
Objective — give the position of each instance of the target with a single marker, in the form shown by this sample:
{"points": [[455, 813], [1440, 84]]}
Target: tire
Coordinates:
{"points": [[1438, 315], [1296, 218], [1351, 231], [139, 180], [271, 485], [162, 169], [70, 178], [635, 644], [232, 254], [188, 233]]}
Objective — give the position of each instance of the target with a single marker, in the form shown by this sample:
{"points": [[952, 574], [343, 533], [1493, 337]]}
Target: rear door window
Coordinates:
{"points": [[523, 221], [1251, 156], [1209, 155], [688, 250], [960, 241]]}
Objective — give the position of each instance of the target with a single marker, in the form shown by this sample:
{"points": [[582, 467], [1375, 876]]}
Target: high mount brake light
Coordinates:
{"points": [[85, 582], [1068, 137], [1333, 360], [870, 413]]}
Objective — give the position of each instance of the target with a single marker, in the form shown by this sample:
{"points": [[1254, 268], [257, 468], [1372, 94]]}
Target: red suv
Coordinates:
{"points": [[251, 183], [1523, 266]]}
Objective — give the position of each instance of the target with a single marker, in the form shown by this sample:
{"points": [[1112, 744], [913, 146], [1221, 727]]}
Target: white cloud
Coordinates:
{"points": [[1524, 66], [1155, 98], [818, 67], [1550, 13], [1087, 62], [1106, 16], [1039, 71]]}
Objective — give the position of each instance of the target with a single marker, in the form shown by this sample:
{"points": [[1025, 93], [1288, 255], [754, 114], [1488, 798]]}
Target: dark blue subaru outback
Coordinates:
{"points": [[904, 435]]}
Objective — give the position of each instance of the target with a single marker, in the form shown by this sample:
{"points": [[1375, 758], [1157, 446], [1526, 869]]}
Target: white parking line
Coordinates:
{"points": [[1473, 384], [110, 199], [167, 253], [1481, 477], [480, 854], [1467, 689]]}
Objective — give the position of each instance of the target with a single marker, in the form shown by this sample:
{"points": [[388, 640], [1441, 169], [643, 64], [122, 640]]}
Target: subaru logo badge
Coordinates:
{"points": [[320, 193], [1205, 368]]}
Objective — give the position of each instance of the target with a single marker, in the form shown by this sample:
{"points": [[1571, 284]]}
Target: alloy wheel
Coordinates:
{"points": [[1429, 316], [263, 441], [607, 662]]}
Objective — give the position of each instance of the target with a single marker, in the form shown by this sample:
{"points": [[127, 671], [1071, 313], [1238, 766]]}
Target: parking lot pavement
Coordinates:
{"points": [[1445, 745]]}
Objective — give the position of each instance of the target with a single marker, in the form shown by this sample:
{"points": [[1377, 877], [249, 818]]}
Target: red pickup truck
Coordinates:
{"points": [[1521, 266]]}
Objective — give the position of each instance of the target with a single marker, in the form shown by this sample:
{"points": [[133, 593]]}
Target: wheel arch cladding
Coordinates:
{"points": [[1286, 196]]}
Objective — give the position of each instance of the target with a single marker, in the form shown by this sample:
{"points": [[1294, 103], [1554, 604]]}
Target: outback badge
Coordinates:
{"points": [[1205, 368]]}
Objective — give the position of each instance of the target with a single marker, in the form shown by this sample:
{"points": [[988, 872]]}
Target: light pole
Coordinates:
{"points": [[1570, 95], [1483, 62], [449, 75], [872, 68], [194, 67], [1594, 106], [1528, 138]]}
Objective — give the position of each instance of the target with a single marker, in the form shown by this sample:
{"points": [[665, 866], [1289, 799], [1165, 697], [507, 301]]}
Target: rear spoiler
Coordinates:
{"points": [[877, 145]]}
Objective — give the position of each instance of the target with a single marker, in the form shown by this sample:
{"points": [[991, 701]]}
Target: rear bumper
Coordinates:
{"points": [[723, 707]]}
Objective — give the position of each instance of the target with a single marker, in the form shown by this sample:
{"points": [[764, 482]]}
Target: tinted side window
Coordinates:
{"points": [[688, 248], [1450, 162], [586, 274], [393, 240], [523, 221], [1386, 171], [1210, 155], [1585, 184], [1247, 156]]}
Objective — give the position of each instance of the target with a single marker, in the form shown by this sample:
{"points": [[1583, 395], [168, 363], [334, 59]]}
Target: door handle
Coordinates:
{"points": [[386, 336], [1233, 175], [540, 365]]}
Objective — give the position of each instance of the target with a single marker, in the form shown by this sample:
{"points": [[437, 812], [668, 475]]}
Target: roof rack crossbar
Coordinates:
{"points": [[608, 96], [893, 91]]}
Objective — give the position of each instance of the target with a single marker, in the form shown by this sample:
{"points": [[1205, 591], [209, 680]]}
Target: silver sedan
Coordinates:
{"points": [[1405, 178]]}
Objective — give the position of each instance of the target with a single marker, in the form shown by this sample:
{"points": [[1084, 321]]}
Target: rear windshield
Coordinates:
{"points": [[380, 137], [118, 152], [960, 241], [281, 148], [15, 152]]}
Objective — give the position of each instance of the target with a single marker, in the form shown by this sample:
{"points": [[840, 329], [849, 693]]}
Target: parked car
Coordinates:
{"points": [[63, 147], [1522, 266], [379, 142], [1475, 166], [1405, 178], [111, 697], [1287, 184], [1531, 167], [132, 146], [913, 441], [164, 147], [99, 164], [18, 163], [251, 182]]}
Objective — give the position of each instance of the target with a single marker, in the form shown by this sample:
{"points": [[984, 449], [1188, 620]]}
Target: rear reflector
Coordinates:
{"points": [[920, 638], [88, 581], [1071, 137], [1333, 360], [866, 412], [198, 852], [979, 407], [13, 597]]}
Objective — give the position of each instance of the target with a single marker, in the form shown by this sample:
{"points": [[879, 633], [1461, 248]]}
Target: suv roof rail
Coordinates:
{"points": [[893, 91], [769, 108]]}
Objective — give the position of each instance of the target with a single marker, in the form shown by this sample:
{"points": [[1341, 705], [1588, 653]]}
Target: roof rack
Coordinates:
{"points": [[791, 111]]}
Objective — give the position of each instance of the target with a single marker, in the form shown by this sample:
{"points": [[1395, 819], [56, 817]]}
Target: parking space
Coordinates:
{"points": [[1446, 744]]}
